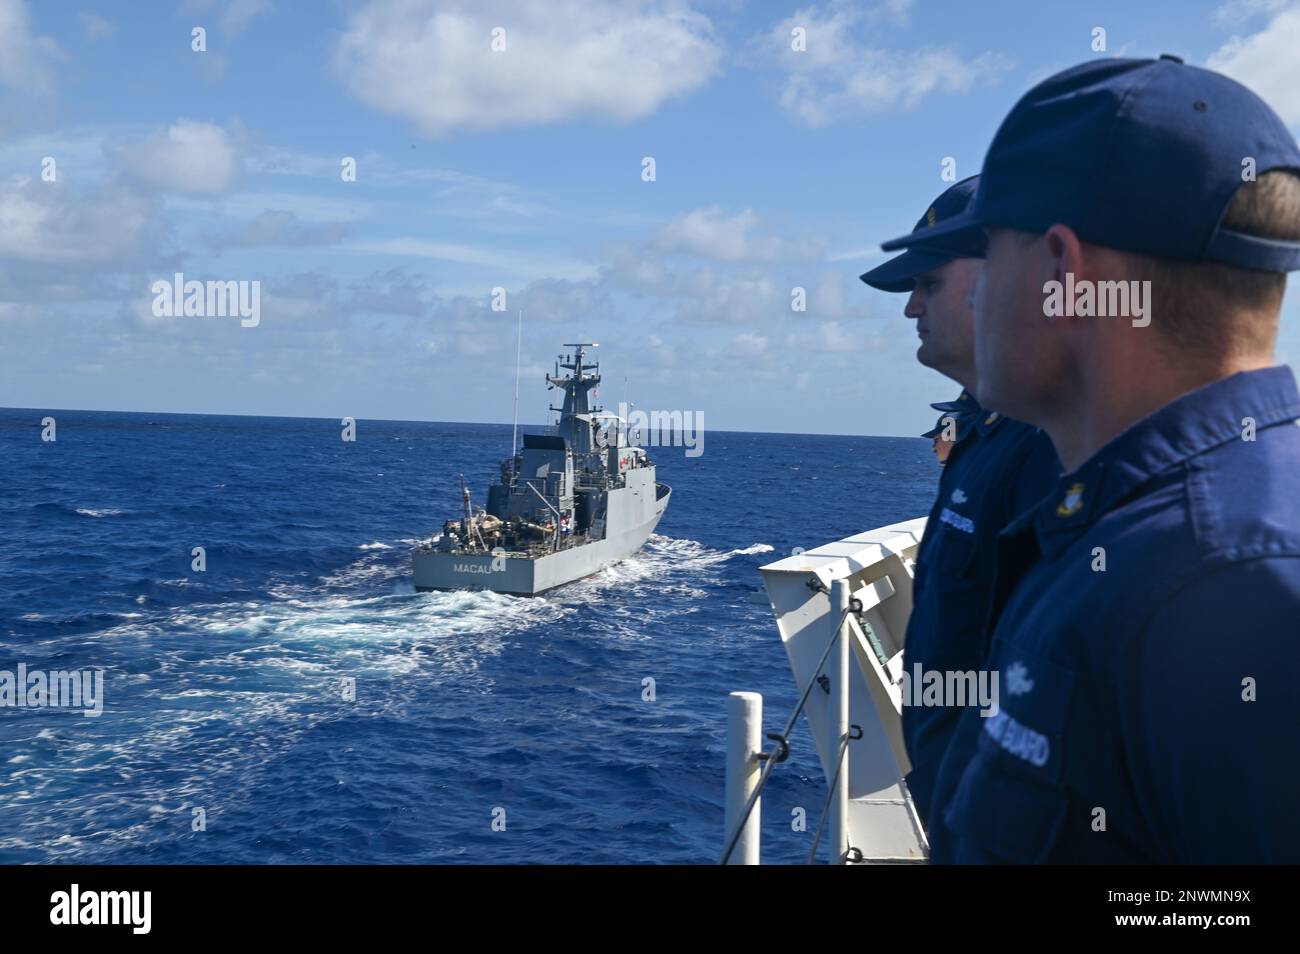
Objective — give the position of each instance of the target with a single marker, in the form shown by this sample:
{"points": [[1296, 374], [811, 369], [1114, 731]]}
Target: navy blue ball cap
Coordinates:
{"points": [[1137, 155], [962, 411], [961, 404], [900, 273]]}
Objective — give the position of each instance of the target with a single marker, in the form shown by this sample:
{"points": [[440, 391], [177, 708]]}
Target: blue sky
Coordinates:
{"points": [[518, 169]]}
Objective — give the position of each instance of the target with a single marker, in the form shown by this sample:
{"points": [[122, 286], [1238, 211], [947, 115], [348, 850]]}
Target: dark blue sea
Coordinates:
{"points": [[223, 688]]}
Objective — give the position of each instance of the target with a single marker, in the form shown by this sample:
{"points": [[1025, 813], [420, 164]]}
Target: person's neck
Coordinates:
{"points": [[1111, 397], [965, 377]]}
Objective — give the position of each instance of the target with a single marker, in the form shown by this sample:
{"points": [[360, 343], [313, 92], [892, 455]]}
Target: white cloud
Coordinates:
{"points": [[749, 345], [26, 61], [511, 263], [711, 233], [189, 157], [835, 337], [248, 205], [238, 13], [829, 296], [861, 256], [742, 298], [96, 27], [557, 300], [476, 196], [394, 291], [235, 15], [44, 223], [717, 269], [280, 228], [80, 149], [1235, 12], [1267, 63], [839, 76], [211, 66], [432, 63]]}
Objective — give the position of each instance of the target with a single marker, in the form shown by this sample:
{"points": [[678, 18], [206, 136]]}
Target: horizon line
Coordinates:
{"points": [[386, 420]]}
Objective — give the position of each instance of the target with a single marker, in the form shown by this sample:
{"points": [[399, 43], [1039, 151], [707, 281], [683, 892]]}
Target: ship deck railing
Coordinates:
{"points": [[532, 552], [841, 610]]}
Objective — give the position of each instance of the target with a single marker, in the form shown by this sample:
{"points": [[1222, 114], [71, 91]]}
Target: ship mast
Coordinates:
{"points": [[519, 343], [575, 422]]}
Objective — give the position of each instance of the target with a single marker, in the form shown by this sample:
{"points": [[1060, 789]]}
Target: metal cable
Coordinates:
{"points": [[770, 757], [830, 794]]}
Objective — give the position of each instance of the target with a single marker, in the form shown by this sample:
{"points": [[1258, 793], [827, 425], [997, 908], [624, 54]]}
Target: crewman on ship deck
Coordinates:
{"points": [[1144, 622], [995, 469]]}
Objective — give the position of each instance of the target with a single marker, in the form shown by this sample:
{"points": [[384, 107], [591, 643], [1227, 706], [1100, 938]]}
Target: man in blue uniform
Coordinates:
{"points": [[996, 468], [1145, 614], [958, 416]]}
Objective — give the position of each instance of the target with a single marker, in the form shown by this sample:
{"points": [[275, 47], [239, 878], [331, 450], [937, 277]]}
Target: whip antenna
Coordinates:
{"points": [[519, 340]]}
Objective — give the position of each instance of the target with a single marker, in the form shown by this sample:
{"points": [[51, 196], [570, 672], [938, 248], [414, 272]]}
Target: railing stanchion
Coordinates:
{"points": [[749, 768], [744, 745], [839, 719]]}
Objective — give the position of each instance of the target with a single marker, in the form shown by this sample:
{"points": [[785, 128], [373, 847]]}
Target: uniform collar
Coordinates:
{"points": [[1191, 425], [987, 421], [971, 417]]}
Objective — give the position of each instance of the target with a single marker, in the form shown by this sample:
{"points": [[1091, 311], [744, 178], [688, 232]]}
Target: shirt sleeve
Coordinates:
{"points": [[1209, 700]]}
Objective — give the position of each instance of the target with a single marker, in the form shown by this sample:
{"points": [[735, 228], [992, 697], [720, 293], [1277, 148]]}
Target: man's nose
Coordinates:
{"points": [[915, 308]]}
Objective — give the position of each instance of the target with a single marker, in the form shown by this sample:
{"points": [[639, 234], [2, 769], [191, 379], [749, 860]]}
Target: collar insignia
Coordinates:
{"points": [[1072, 503]]}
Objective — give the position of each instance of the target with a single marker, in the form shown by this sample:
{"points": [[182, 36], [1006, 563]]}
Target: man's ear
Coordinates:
{"points": [[1066, 251]]}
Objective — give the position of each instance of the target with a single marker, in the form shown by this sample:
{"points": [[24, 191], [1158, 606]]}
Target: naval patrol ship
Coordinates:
{"points": [[568, 503]]}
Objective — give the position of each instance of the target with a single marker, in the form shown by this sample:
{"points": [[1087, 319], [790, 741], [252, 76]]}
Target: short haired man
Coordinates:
{"points": [[995, 468], [1145, 614]]}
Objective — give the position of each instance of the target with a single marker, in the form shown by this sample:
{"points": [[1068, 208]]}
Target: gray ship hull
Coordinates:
{"points": [[634, 512]]}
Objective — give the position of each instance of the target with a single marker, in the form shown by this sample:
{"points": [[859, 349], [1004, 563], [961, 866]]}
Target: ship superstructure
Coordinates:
{"points": [[567, 503]]}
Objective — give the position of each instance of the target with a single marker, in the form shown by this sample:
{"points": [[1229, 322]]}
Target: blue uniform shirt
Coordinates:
{"points": [[1150, 710], [996, 469]]}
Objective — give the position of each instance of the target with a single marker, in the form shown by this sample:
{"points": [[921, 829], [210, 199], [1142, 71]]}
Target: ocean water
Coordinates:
{"points": [[223, 688]]}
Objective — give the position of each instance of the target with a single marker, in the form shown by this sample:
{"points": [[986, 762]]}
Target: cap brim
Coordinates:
{"points": [[900, 273], [961, 235]]}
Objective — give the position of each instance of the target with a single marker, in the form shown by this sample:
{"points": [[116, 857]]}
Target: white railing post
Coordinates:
{"points": [[839, 720], [744, 743]]}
